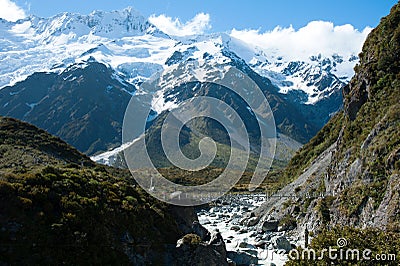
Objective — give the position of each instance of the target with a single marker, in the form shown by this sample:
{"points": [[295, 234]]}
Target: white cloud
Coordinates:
{"points": [[174, 27], [10, 11], [317, 37]]}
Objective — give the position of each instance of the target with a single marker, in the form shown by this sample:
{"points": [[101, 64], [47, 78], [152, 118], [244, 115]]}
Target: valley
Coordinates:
{"points": [[119, 145]]}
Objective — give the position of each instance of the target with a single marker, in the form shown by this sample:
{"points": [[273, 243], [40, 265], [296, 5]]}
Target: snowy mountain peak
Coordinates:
{"points": [[127, 42], [71, 26]]}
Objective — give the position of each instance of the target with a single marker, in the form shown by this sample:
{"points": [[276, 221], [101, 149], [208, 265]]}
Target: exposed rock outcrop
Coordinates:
{"points": [[355, 181], [192, 250]]}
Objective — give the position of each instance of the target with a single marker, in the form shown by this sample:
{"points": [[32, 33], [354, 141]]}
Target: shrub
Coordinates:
{"points": [[191, 239]]}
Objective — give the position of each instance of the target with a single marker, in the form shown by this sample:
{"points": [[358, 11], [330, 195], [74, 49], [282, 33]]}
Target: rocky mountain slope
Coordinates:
{"points": [[348, 174], [84, 104]]}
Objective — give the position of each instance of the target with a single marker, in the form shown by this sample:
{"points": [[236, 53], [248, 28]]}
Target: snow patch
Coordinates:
{"points": [[109, 157]]}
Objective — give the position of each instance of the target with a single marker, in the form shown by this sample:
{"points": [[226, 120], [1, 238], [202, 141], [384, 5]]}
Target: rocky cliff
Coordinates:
{"points": [[348, 174]]}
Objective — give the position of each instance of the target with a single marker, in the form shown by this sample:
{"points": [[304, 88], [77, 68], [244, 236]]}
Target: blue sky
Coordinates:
{"points": [[225, 15]]}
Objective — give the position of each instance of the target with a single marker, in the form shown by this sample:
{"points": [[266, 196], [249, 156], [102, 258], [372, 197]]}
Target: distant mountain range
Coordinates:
{"points": [[73, 75]]}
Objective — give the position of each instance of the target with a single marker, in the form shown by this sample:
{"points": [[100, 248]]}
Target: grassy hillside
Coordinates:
{"points": [[360, 184], [57, 207]]}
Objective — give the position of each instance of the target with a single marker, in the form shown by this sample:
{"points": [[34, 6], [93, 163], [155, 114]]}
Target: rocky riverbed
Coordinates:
{"points": [[249, 240]]}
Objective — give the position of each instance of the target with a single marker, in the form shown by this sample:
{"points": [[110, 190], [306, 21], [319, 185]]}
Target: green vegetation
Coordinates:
{"points": [[323, 207], [288, 221], [373, 135], [378, 241], [191, 239], [57, 207], [367, 136], [364, 169]]}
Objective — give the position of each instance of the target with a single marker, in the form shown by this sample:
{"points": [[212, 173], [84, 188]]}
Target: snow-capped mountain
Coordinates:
{"points": [[302, 93], [318, 78], [126, 41]]}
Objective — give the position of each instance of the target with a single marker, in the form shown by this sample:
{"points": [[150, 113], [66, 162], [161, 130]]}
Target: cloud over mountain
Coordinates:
{"points": [[173, 26], [316, 37], [10, 11]]}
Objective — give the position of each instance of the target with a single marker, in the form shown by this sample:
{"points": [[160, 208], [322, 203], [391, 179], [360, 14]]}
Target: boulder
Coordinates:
{"points": [[251, 251], [206, 221], [243, 230], [252, 221], [216, 238], [235, 228], [250, 215], [201, 231], [242, 258], [261, 244], [269, 225], [281, 242], [230, 262], [201, 253], [242, 245], [254, 234]]}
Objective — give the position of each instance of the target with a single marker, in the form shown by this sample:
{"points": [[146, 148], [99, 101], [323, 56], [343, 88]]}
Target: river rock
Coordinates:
{"points": [[242, 245], [261, 243], [269, 225], [230, 262], [281, 242], [235, 228], [254, 234], [243, 221], [251, 251], [252, 221], [201, 231], [243, 231], [242, 258], [244, 208], [206, 221]]}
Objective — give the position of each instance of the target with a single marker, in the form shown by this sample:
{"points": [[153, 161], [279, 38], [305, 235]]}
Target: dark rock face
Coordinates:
{"points": [[186, 219], [201, 231], [357, 95], [84, 105]]}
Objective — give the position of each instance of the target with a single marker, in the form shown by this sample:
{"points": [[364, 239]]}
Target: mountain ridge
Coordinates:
{"points": [[131, 58], [352, 165]]}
